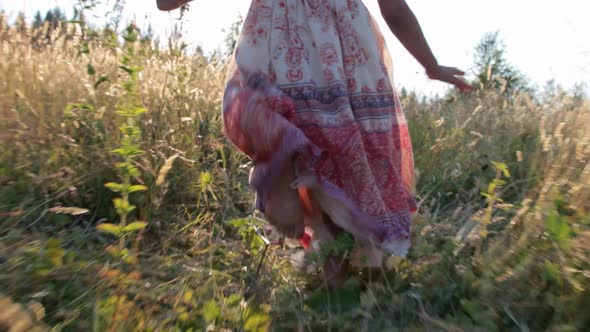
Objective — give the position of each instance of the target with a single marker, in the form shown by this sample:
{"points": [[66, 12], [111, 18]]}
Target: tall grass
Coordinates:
{"points": [[515, 258]]}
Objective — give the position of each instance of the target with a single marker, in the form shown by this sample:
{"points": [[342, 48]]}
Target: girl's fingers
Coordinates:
{"points": [[464, 87], [458, 72], [460, 84], [450, 75]]}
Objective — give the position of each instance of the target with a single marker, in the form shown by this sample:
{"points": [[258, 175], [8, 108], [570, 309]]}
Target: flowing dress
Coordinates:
{"points": [[313, 79]]}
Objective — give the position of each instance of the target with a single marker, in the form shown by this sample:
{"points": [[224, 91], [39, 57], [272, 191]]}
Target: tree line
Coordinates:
{"points": [[492, 70]]}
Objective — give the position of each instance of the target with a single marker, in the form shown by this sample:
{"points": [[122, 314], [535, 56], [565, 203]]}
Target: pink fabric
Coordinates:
{"points": [[312, 78]]}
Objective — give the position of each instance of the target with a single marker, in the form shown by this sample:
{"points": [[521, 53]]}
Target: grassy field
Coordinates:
{"points": [[123, 207]]}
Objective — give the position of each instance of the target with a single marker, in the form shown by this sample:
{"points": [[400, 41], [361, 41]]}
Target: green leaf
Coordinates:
{"points": [[551, 270], [489, 196], [347, 297], [42, 272], [55, 256], [78, 107], [491, 188], [119, 203], [472, 308], [502, 167], [137, 188], [84, 49], [211, 311], [205, 180], [499, 182], [130, 259], [139, 110], [122, 206], [257, 322], [101, 79], [128, 168], [53, 243], [187, 297], [115, 187], [130, 131], [342, 244], [135, 226], [559, 203], [233, 300], [128, 151], [110, 228], [131, 112], [133, 171], [559, 229], [90, 69], [238, 223], [115, 252], [123, 165], [256, 243], [127, 69]]}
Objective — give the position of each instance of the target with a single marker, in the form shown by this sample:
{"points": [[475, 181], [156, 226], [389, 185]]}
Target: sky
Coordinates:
{"points": [[544, 39]]}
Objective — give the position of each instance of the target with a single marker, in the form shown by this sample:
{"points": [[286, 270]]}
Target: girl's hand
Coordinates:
{"points": [[167, 5], [449, 75]]}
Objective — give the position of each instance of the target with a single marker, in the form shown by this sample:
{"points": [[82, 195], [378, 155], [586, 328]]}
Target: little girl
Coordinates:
{"points": [[310, 99]]}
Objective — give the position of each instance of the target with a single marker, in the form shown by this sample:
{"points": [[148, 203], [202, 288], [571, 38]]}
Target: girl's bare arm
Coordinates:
{"points": [[167, 5], [404, 25]]}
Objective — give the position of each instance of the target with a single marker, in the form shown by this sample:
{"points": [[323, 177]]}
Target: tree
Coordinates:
{"points": [[148, 36], [38, 20], [579, 94], [79, 15], [54, 17], [116, 14], [199, 50], [232, 35], [492, 68], [49, 17], [551, 90], [21, 23]]}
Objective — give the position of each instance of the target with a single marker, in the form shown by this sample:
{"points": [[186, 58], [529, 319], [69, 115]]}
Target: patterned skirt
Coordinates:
{"points": [[313, 79]]}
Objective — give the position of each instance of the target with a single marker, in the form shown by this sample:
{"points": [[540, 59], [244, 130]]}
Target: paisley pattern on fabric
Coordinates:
{"points": [[313, 79]]}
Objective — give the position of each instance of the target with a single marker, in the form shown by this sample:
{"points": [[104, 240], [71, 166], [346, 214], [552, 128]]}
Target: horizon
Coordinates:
{"points": [[542, 56]]}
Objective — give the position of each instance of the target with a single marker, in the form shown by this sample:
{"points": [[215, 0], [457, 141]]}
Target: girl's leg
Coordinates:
{"points": [[283, 208], [336, 267]]}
